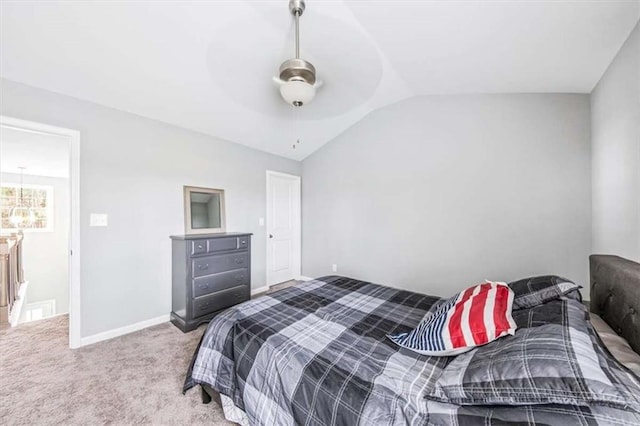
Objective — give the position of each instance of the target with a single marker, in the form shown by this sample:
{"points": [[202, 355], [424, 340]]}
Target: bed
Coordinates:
{"points": [[318, 354]]}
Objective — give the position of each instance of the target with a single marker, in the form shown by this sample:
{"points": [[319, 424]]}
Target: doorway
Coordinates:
{"points": [[26, 142], [284, 232]]}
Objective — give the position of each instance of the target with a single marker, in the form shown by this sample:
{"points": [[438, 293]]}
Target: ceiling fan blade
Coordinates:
{"points": [[319, 84], [277, 80]]}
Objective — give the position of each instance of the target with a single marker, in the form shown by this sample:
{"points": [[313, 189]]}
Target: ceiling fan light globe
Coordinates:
{"points": [[297, 93], [21, 216]]}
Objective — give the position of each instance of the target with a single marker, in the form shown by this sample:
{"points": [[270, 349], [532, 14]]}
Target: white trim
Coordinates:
{"points": [[282, 174], [43, 319], [74, 228], [117, 332], [50, 303], [259, 290], [14, 317], [297, 251], [303, 278]]}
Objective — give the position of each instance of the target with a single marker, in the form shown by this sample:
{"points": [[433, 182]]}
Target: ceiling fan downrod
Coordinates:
{"points": [[296, 7]]}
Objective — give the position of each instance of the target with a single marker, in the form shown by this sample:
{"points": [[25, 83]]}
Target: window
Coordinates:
{"points": [[38, 197]]}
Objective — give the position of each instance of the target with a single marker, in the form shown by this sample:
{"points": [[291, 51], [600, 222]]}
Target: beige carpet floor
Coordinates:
{"points": [[133, 379]]}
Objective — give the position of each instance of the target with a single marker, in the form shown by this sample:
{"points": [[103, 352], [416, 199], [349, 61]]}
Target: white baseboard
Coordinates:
{"points": [[303, 278], [259, 290], [106, 335]]}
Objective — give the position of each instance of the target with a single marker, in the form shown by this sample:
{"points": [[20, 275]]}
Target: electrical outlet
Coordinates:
{"points": [[334, 267]]}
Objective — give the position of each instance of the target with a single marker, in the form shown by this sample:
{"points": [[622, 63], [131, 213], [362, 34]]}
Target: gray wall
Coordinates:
{"points": [[436, 193], [133, 169], [45, 254], [615, 128]]}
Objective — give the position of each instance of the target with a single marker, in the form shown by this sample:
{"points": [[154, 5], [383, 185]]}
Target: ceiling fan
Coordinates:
{"points": [[297, 77]]}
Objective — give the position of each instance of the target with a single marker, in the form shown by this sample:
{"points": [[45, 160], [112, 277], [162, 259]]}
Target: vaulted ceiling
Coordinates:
{"points": [[207, 65]]}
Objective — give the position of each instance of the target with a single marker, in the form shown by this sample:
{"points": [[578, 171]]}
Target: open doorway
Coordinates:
{"points": [[39, 226]]}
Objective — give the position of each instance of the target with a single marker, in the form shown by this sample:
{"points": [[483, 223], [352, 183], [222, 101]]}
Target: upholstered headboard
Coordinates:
{"points": [[615, 295]]}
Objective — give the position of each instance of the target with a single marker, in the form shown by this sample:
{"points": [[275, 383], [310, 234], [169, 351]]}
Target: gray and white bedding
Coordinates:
{"points": [[317, 354]]}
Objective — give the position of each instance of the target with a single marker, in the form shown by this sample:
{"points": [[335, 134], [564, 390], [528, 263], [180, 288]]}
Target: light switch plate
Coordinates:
{"points": [[261, 221], [98, 219]]}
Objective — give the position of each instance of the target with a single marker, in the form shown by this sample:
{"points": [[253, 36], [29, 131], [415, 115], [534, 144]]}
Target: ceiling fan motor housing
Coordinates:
{"points": [[298, 69]]}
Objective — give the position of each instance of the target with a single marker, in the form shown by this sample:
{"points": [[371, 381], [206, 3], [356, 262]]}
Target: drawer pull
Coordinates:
{"points": [[200, 246], [239, 277], [239, 260], [203, 267]]}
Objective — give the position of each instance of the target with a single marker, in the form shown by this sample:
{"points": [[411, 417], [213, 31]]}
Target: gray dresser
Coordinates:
{"points": [[210, 272]]}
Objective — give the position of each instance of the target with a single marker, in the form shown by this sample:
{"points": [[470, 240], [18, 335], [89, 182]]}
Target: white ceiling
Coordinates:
{"points": [[41, 154], [207, 65]]}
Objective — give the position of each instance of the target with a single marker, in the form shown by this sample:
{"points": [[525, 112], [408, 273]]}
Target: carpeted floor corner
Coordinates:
{"points": [[133, 379]]}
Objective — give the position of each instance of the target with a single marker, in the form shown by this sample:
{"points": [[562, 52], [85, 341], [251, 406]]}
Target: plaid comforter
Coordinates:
{"points": [[317, 354]]}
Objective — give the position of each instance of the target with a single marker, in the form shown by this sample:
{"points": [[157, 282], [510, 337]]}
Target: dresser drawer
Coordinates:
{"points": [[243, 242], [198, 246], [222, 244], [220, 263], [220, 300], [218, 282]]}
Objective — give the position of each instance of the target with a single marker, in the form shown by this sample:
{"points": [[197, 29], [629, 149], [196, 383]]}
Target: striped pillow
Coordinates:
{"points": [[473, 317]]}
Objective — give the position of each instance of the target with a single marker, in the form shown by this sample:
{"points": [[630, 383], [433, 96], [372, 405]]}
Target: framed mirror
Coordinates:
{"points": [[204, 210]]}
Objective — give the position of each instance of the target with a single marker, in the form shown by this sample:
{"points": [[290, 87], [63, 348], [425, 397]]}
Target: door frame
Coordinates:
{"points": [[74, 221], [297, 227]]}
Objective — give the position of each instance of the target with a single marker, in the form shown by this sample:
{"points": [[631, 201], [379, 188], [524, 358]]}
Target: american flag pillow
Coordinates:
{"points": [[473, 317]]}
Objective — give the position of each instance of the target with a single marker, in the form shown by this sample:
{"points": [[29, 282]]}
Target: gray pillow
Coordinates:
{"points": [[552, 359], [534, 291]]}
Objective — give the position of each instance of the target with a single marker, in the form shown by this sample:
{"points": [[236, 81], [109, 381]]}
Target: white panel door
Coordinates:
{"points": [[283, 227]]}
